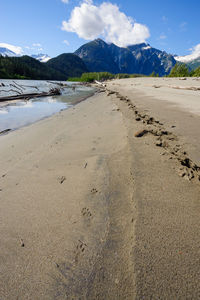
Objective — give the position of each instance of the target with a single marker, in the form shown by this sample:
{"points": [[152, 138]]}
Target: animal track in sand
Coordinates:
{"points": [[61, 179], [165, 139], [80, 249], [93, 191], [86, 212]]}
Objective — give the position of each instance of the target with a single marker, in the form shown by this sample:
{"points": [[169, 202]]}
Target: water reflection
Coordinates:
{"points": [[20, 113], [23, 113]]}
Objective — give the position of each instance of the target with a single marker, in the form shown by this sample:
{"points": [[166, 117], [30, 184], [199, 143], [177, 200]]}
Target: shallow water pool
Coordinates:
{"points": [[16, 114]]}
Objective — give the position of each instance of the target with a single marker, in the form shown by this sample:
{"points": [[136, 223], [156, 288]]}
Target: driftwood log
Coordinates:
{"points": [[52, 92]]}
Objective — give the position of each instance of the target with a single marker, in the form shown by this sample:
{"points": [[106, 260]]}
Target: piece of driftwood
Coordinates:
{"points": [[59, 83], [11, 90], [5, 131], [19, 85], [52, 92], [16, 87]]}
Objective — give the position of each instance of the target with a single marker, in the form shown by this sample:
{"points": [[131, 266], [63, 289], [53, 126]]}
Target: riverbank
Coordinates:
{"points": [[163, 129], [56, 202], [94, 203], [31, 105]]}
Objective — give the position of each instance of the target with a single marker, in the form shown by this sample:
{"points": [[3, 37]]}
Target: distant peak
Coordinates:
{"points": [[100, 41], [41, 57]]}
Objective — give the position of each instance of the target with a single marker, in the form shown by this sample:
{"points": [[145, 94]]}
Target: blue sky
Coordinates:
{"points": [[36, 26]]}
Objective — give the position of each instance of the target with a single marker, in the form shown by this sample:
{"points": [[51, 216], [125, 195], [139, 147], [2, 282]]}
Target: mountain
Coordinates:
{"points": [[95, 56], [7, 52], [68, 64], [41, 57], [194, 63], [59, 68], [141, 59], [27, 67], [191, 61]]}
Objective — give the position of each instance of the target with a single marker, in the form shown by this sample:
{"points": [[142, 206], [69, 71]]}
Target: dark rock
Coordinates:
{"points": [[141, 133]]}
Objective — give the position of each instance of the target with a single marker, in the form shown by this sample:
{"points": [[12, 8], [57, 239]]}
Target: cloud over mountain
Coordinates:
{"points": [[90, 21], [16, 49], [187, 58]]}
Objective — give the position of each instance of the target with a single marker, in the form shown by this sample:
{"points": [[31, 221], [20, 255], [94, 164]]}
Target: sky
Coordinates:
{"points": [[61, 26]]}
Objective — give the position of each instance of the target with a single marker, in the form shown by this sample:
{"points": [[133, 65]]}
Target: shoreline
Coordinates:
{"points": [[93, 208], [75, 102]]}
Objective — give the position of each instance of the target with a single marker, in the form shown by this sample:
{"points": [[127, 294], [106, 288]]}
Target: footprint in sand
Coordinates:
{"points": [[80, 249], [61, 179], [93, 191], [86, 212]]}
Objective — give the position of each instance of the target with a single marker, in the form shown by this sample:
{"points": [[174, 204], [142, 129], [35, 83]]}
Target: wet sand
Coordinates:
{"points": [[102, 201]]}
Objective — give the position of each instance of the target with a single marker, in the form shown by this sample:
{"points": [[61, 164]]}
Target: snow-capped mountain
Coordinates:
{"points": [[7, 52], [41, 57], [192, 61], [187, 58]]}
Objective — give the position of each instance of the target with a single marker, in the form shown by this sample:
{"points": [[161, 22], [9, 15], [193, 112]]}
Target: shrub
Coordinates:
{"points": [[179, 70], [196, 72]]}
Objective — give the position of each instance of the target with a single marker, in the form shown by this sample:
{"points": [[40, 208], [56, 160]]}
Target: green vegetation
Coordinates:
{"points": [[196, 72], [92, 76], [26, 67], [182, 70], [154, 74], [102, 76], [68, 64], [70, 67], [179, 70], [121, 75]]}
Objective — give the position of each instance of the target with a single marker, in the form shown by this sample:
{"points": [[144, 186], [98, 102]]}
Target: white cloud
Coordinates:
{"points": [[66, 42], [195, 53], [89, 21], [18, 50], [65, 1]]}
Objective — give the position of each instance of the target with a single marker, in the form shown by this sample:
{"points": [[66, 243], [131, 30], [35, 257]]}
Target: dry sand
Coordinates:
{"points": [[102, 201]]}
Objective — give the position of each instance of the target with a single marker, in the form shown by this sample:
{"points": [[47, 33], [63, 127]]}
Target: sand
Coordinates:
{"points": [[101, 201]]}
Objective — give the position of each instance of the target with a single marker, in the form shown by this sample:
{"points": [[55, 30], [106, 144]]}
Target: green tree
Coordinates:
{"points": [[154, 74], [179, 70], [196, 72]]}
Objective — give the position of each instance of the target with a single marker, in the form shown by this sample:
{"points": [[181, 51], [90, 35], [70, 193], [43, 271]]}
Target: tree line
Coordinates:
{"points": [[26, 67]]}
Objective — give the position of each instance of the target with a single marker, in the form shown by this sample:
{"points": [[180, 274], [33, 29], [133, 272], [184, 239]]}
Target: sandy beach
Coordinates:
{"points": [[102, 201]]}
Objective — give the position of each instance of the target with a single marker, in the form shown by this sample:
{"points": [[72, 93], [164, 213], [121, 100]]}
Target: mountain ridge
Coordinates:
{"points": [[191, 62], [140, 58], [26, 67], [99, 56], [41, 57], [68, 64], [7, 52]]}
